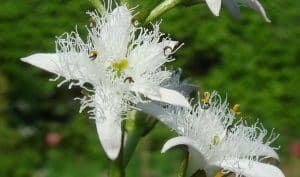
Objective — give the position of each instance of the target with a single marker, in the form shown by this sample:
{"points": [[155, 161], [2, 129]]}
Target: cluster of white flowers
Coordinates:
{"points": [[121, 67], [216, 140]]}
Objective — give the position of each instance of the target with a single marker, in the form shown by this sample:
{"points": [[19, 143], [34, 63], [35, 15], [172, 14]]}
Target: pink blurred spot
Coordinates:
{"points": [[295, 148], [53, 139]]}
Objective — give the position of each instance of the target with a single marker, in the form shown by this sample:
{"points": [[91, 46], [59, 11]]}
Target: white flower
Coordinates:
{"points": [[216, 142], [234, 7], [119, 65]]}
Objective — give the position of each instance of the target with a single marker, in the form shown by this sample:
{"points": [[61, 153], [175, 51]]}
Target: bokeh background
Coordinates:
{"points": [[254, 63]]}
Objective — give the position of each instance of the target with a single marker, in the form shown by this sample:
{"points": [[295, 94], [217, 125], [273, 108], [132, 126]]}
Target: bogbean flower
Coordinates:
{"points": [[234, 7], [217, 143], [118, 66]]}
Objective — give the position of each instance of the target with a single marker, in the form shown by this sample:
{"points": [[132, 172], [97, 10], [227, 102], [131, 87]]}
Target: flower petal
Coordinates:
{"points": [[214, 6], [110, 135], [255, 5], [114, 35], [267, 151], [69, 65], [196, 158], [151, 54], [46, 61], [196, 161], [250, 168], [233, 8], [166, 95], [157, 111], [179, 140]]}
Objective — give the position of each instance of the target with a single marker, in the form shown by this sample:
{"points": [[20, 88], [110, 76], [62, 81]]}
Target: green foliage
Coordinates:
{"points": [[255, 63]]}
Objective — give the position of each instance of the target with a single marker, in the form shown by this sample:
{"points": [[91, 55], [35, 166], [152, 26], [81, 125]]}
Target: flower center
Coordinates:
{"points": [[119, 66]]}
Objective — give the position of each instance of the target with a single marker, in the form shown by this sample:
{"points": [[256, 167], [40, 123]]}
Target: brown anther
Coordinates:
{"points": [[129, 79], [93, 22], [206, 99], [167, 49], [93, 54], [235, 109], [134, 22]]}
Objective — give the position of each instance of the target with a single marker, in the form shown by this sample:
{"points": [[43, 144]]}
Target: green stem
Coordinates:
{"points": [[162, 8], [184, 164], [132, 141], [116, 169], [142, 126], [124, 2], [98, 5]]}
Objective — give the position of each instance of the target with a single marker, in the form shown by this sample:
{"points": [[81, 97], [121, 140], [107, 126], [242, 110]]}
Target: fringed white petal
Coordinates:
{"points": [[114, 35], [110, 135], [179, 140], [107, 107], [250, 168], [214, 6], [255, 5], [196, 161], [151, 54], [266, 151], [45, 61], [233, 8], [152, 109], [157, 111], [167, 96]]}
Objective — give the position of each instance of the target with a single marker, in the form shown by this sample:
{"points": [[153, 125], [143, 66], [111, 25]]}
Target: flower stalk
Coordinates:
{"points": [[116, 169], [98, 5], [184, 164], [142, 126], [161, 9]]}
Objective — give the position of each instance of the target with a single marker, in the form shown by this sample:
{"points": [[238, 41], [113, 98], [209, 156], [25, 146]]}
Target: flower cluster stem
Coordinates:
{"points": [[132, 141], [142, 126], [98, 5], [184, 164], [116, 168], [161, 9]]}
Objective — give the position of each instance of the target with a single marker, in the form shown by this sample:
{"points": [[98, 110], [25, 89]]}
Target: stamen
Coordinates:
{"points": [[134, 22], [219, 174], [235, 109], [206, 99], [93, 54], [129, 79], [167, 50], [93, 22]]}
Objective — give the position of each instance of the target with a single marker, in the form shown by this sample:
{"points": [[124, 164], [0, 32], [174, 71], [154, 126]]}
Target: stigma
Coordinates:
{"points": [[120, 65]]}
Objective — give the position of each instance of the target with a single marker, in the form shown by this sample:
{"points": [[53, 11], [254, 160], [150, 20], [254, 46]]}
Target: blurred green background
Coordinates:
{"points": [[255, 63]]}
